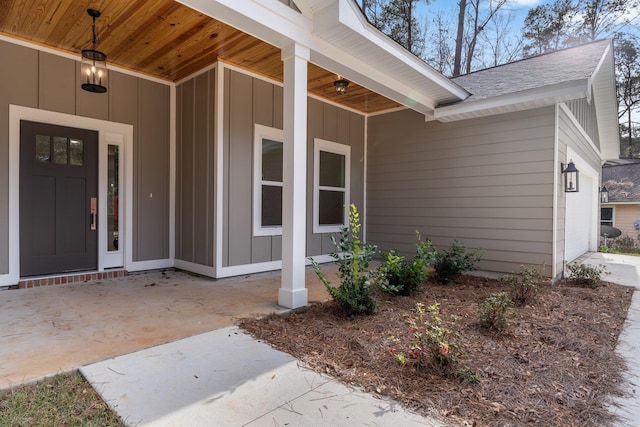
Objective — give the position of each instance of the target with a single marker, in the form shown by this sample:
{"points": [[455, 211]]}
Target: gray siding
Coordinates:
{"points": [[487, 182], [585, 113], [41, 80], [195, 171], [249, 101], [569, 136]]}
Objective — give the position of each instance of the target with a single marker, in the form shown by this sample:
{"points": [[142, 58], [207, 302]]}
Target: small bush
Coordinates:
{"points": [[494, 310], [450, 264], [435, 338], [353, 256], [524, 284], [586, 275], [404, 277]]}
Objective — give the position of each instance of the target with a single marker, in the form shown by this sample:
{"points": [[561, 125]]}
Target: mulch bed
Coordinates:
{"points": [[554, 364]]}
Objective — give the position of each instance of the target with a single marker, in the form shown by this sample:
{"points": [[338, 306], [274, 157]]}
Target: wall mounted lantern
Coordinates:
{"points": [[604, 195], [94, 63], [571, 177], [341, 85]]}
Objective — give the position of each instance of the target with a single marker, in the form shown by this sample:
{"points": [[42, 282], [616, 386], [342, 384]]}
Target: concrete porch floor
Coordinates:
{"points": [[46, 330]]}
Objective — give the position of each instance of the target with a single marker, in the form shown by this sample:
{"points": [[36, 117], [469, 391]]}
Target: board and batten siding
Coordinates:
{"points": [[585, 114], [249, 101], [38, 79], [195, 169], [487, 182]]}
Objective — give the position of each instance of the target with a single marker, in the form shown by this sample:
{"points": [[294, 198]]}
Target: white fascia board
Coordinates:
{"points": [[347, 14], [272, 22], [354, 70], [532, 98]]}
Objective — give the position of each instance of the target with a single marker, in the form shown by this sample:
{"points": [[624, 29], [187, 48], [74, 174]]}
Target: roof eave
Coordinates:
{"points": [[519, 101]]}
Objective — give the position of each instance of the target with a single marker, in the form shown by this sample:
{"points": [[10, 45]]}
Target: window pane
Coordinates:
{"points": [[606, 214], [112, 197], [332, 169], [60, 150], [331, 207], [76, 152], [271, 206], [43, 148], [271, 160]]}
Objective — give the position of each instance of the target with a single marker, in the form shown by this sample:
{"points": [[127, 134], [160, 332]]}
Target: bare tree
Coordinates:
{"points": [[462, 11], [442, 53], [502, 45]]}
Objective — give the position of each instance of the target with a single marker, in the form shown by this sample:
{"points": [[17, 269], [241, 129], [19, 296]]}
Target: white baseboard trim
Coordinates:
{"points": [[155, 264], [192, 267]]}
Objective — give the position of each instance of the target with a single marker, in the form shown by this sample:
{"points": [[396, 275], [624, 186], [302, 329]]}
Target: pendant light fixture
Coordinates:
{"points": [[341, 85], [94, 63]]}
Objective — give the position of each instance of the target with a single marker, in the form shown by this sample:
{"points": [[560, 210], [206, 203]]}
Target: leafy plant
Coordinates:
{"points": [[450, 264], [494, 310], [353, 256], [404, 277], [586, 275], [524, 284], [434, 338]]}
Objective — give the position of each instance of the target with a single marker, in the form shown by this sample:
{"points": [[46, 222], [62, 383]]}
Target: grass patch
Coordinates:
{"points": [[64, 400]]}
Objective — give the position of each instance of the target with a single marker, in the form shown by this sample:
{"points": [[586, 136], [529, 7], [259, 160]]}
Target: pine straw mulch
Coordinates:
{"points": [[554, 365]]}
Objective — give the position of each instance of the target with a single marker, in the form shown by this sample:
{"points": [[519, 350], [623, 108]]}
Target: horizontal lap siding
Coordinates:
{"points": [[624, 217], [487, 182]]}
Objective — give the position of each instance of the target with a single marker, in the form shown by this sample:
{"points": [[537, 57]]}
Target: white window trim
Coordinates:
{"points": [[331, 147], [262, 132]]}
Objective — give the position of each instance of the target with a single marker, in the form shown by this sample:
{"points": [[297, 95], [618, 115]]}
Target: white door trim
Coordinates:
{"points": [[103, 127]]}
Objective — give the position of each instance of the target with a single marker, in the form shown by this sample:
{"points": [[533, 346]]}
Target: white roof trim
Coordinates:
{"points": [[528, 99], [383, 67]]}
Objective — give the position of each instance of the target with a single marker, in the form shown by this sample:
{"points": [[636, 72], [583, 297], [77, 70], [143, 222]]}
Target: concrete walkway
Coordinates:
{"points": [[47, 330], [226, 378], [625, 270]]}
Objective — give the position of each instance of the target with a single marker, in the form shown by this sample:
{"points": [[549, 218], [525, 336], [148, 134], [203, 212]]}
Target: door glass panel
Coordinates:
{"points": [[76, 152], [43, 148], [112, 197], [60, 150]]}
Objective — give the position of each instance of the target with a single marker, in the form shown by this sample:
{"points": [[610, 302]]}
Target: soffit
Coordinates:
{"points": [[166, 40]]}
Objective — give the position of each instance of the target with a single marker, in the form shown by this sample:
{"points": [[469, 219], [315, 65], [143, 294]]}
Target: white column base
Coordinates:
{"points": [[293, 298]]}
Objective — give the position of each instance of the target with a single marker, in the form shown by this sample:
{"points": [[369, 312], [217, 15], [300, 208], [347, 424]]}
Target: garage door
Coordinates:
{"points": [[579, 218]]}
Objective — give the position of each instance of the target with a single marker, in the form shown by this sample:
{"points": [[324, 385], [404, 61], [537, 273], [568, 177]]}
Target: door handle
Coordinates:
{"points": [[94, 208]]}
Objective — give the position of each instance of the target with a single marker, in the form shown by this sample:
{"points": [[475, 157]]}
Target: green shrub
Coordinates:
{"points": [[434, 338], [450, 264], [404, 277], [524, 284], [494, 310], [353, 256], [586, 275]]}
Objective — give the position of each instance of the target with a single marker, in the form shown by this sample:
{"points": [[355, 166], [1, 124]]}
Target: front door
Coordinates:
{"points": [[58, 199]]}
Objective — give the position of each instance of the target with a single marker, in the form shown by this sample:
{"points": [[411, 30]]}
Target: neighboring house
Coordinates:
{"points": [[222, 147], [621, 178]]}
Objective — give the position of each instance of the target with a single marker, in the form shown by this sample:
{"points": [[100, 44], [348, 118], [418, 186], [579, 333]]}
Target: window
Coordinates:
{"points": [[606, 216], [330, 185], [267, 187]]}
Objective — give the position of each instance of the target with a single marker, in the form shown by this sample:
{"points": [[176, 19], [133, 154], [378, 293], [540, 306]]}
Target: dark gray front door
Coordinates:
{"points": [[58, 180]]}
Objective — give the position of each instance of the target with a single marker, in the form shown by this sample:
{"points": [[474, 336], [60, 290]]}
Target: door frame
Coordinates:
{"points": [[109, 133]]}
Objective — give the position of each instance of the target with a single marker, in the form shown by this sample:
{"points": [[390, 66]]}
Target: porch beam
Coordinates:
{"points": [[293, 293]]}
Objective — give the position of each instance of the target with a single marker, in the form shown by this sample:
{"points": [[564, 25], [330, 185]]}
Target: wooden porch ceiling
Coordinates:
{"points": [[164, 39]]}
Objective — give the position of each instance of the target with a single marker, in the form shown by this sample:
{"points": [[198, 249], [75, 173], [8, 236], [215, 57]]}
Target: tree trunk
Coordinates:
{"points": [[458, 54]]}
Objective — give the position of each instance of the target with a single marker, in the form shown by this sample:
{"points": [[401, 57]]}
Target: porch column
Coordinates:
{"points": [[293, 293]]}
